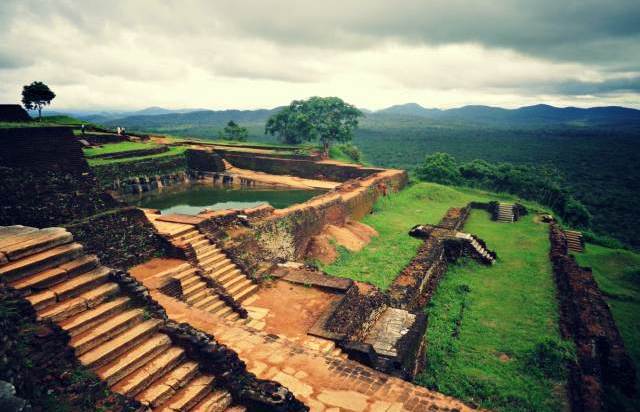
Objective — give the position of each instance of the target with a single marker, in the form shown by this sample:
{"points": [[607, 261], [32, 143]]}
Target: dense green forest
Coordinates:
{"points": [[599, 166], [597, 161]]}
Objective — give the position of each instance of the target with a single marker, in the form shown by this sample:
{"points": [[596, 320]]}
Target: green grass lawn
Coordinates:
{"points": [[617, 272], [392, 217], [173, 151], [484, 322], [117, 147]]}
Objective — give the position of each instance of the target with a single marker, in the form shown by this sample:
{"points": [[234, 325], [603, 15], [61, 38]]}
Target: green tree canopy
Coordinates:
{"points": [[36, 95], [234, 131], [326, 119]]}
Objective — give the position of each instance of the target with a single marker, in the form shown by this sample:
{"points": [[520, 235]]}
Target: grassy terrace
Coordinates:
{"points": [[173, 151], [393, 216], [117, 147], [484, 322]]}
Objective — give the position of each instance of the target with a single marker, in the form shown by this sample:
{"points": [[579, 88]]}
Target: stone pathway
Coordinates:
{"points": [[323, 382]]}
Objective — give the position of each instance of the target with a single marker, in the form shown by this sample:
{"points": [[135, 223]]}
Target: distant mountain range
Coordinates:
{"points": [[537, 114], [157, 118]]}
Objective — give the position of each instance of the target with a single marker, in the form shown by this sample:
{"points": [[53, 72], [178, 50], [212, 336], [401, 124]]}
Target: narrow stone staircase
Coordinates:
{"points": [[216, 266], [112, 336], [505, 213], [575, 241], [481, 250]]}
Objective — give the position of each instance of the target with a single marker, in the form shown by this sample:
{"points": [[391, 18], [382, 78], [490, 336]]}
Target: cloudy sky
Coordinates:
{"points": [[218, 54]]}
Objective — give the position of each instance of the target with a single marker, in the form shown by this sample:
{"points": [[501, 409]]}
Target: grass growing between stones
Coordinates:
{"points": [[381, 261], [493, 330], [617, 272], [117, 148]]}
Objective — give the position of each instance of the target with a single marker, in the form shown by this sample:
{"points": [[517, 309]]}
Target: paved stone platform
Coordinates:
{"points": [[323, 382]]}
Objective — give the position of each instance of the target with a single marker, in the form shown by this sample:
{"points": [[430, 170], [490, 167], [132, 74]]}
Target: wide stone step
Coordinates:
{"points": [[126, 364], [199, 296], [200, 243], [185, 274], [213, 306], [190, 281], [81, 283], [206, 301], [194, 288], [38, 262], [209, 253], [222, 311], [167, 385], [213, 259], [140, 380], [117, 346], [189, 396], [71, 307], [111, 327], [88, 319], [174, 271], [216, 401], [27, 244], [233, 280], [236, 408], [187, 233], [230, 275], [239, 286], [40, 280], [224, 269], [245, 293]]}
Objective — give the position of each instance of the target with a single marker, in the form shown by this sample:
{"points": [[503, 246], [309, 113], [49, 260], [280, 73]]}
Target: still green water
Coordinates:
{"points": [[192, 199]]}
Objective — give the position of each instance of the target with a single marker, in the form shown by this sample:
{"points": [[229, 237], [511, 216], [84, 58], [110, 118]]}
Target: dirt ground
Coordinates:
{"points": [[144, 272], [293, 309]]}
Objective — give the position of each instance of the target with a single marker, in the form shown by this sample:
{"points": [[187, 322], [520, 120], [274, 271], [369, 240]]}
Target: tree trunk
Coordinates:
{"points": [[39, 113], [325, 149]]}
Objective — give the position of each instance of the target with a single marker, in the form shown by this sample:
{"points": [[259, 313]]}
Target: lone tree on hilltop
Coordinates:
{"points": [[327, 119], [36, 95], [234, 131]]}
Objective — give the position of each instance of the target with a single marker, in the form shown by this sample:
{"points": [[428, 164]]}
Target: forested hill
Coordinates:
{"points": [[528, 116], [540, 114]]}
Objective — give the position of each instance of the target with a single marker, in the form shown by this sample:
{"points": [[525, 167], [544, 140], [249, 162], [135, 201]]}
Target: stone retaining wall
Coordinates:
{"points": [[585, 317], [131, 153], [158, 166], [308, 169], [121, 238], [44, 179]]}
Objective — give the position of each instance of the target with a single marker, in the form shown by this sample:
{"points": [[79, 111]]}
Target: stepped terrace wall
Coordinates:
{"points": [[121, 238], [110, 173], [586, 318], [306, 168], [44, 179], [294, 226]]}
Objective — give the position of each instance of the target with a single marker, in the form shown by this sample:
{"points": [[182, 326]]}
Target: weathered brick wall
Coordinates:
{"points": [[44, 180], [308, 169], [585, 317], [165, 165], [204, 161], [121, 238]]}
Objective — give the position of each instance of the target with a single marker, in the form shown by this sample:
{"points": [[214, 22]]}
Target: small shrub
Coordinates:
{"points": [[551, 357]]}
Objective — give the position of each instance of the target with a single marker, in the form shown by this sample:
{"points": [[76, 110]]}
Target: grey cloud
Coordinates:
{"points": [[577, 88]]}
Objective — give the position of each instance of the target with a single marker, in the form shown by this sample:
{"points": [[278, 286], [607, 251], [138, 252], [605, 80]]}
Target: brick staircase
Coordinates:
{"points": [[481, 250], [216, 266], [505, 213], [575, 241], [109, 333]]}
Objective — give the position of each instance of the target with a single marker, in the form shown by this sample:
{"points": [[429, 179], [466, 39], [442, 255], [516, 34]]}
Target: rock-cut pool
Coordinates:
{"points": [[192, 199]]}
